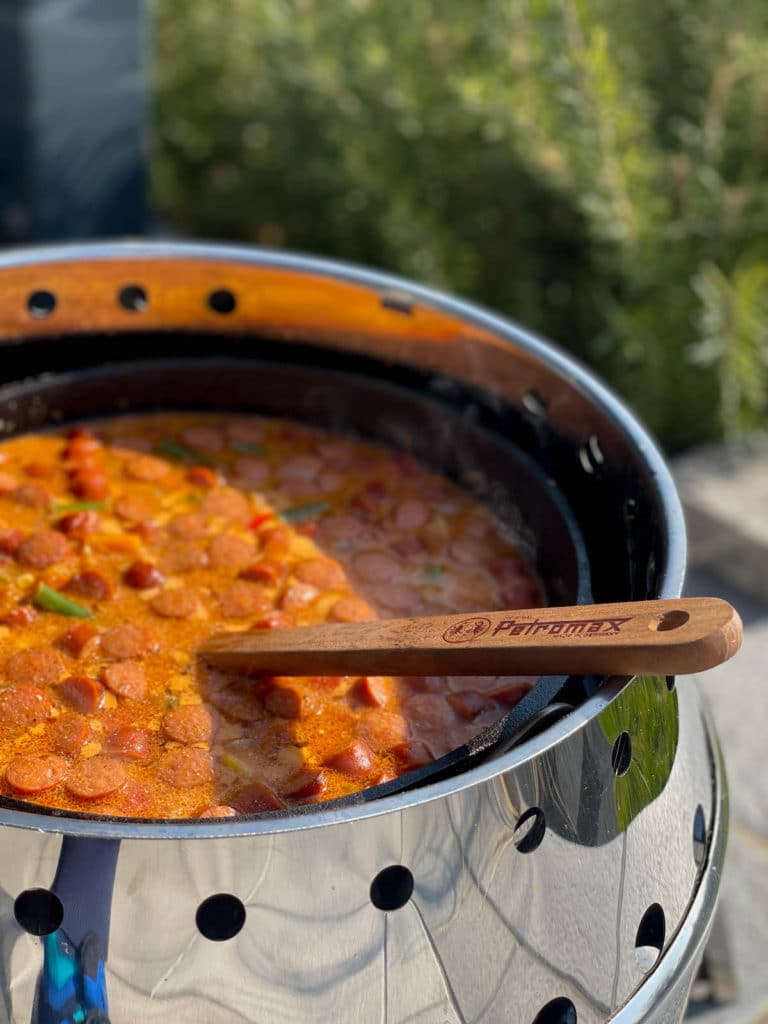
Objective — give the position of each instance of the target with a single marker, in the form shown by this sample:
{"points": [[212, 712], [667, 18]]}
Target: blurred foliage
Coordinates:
{"points": [[597, 169]]}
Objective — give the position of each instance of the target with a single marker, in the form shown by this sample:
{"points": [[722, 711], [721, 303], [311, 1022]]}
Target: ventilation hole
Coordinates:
{"points": [[530, 830], [591, 455], [220, 917], [398, 303], [621, 755], [669, 620], [535, 403], [630, 509], [222, 301], [559, 1011], [649, 941], [699, 836], [133, 298], [392, 888], [41, 304], [38, 911], [670, 683]]}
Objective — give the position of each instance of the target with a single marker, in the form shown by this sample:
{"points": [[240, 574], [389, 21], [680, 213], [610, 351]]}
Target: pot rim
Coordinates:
{"points": [[672, 573]]}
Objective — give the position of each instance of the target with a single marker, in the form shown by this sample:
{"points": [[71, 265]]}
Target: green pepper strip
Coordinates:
{"points": [[52, 601], [81, 506], [174, 450], [299, 513], [247, 449]]}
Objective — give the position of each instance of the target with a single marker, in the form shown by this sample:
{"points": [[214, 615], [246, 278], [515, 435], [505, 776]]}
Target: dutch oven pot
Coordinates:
{"points": [[562, 868]]}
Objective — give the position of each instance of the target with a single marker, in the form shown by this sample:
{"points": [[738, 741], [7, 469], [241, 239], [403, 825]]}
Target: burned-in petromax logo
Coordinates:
{"points": [[466, 630], [472, 629]]}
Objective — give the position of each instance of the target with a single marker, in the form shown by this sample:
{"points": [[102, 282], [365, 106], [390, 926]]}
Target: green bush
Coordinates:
{"points": [[597, 169]]}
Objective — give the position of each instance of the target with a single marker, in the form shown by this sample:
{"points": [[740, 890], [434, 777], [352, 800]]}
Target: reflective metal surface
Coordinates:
{"points": [[494, 930]]}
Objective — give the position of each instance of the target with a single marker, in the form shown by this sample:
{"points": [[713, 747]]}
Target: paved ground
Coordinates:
{"points": [[738, 695]]}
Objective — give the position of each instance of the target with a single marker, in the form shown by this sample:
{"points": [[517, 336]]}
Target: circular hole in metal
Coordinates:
{"points": [[41, 304], [621, 755], [649, 940], [530, 830], [38, 911], [222, 301], [220, 917], [670, 683], [392, 887], [699, 836], [133, 298], [670, 620], [398, 302], [558, 1011], [535, 403]]}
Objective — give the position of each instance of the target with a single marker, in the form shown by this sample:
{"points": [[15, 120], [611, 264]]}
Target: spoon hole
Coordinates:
{"points": [[669, 620]]}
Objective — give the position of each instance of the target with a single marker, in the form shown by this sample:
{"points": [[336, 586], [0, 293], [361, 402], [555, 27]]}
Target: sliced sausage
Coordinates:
{"points": [[251, 469], [90, 484], [323, 573], [307, 784], [23, 706], [98, 776], [181, 558], [428, 712], [255, 798], [355, 759], [10, 540], [190, 723], [48, 547], [39, 470], [512, 694], [230, 552], [23, 615], [132, 743], [243, 600], [410, 545], [185, 767], [126, 679], [218, 811], [283, 701], [275, 542], [300, 467], [32, 495], [266, 571], [298, 596], [35, 773], [274, 620], [129, 640], [469, 703], [227, 503], [40, 665], [174, 604], [411, 514], [247, 431], [133, 508], [77, 638], [69, 733], [202, 476], [376, 566], [92, 584], [204, 438], [341, 527], [397, 597], [414, 754], [381, 729], [351, 609], [82, 693], [143, 576], [147, 469], [373, 690], [8, 483], [79, 524], [189, 526]]}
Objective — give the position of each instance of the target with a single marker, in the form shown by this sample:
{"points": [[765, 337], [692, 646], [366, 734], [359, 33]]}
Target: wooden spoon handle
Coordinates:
{"points": [[655, 637]]}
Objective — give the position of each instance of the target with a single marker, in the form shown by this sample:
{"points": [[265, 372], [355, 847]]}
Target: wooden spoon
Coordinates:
{"points": [[654, 637]]}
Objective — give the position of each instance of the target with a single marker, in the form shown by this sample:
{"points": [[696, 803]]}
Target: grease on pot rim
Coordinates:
{"points": [[152, 533]]}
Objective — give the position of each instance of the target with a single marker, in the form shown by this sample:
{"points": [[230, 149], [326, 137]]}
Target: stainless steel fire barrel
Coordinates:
{"points": [[568, 874]]}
